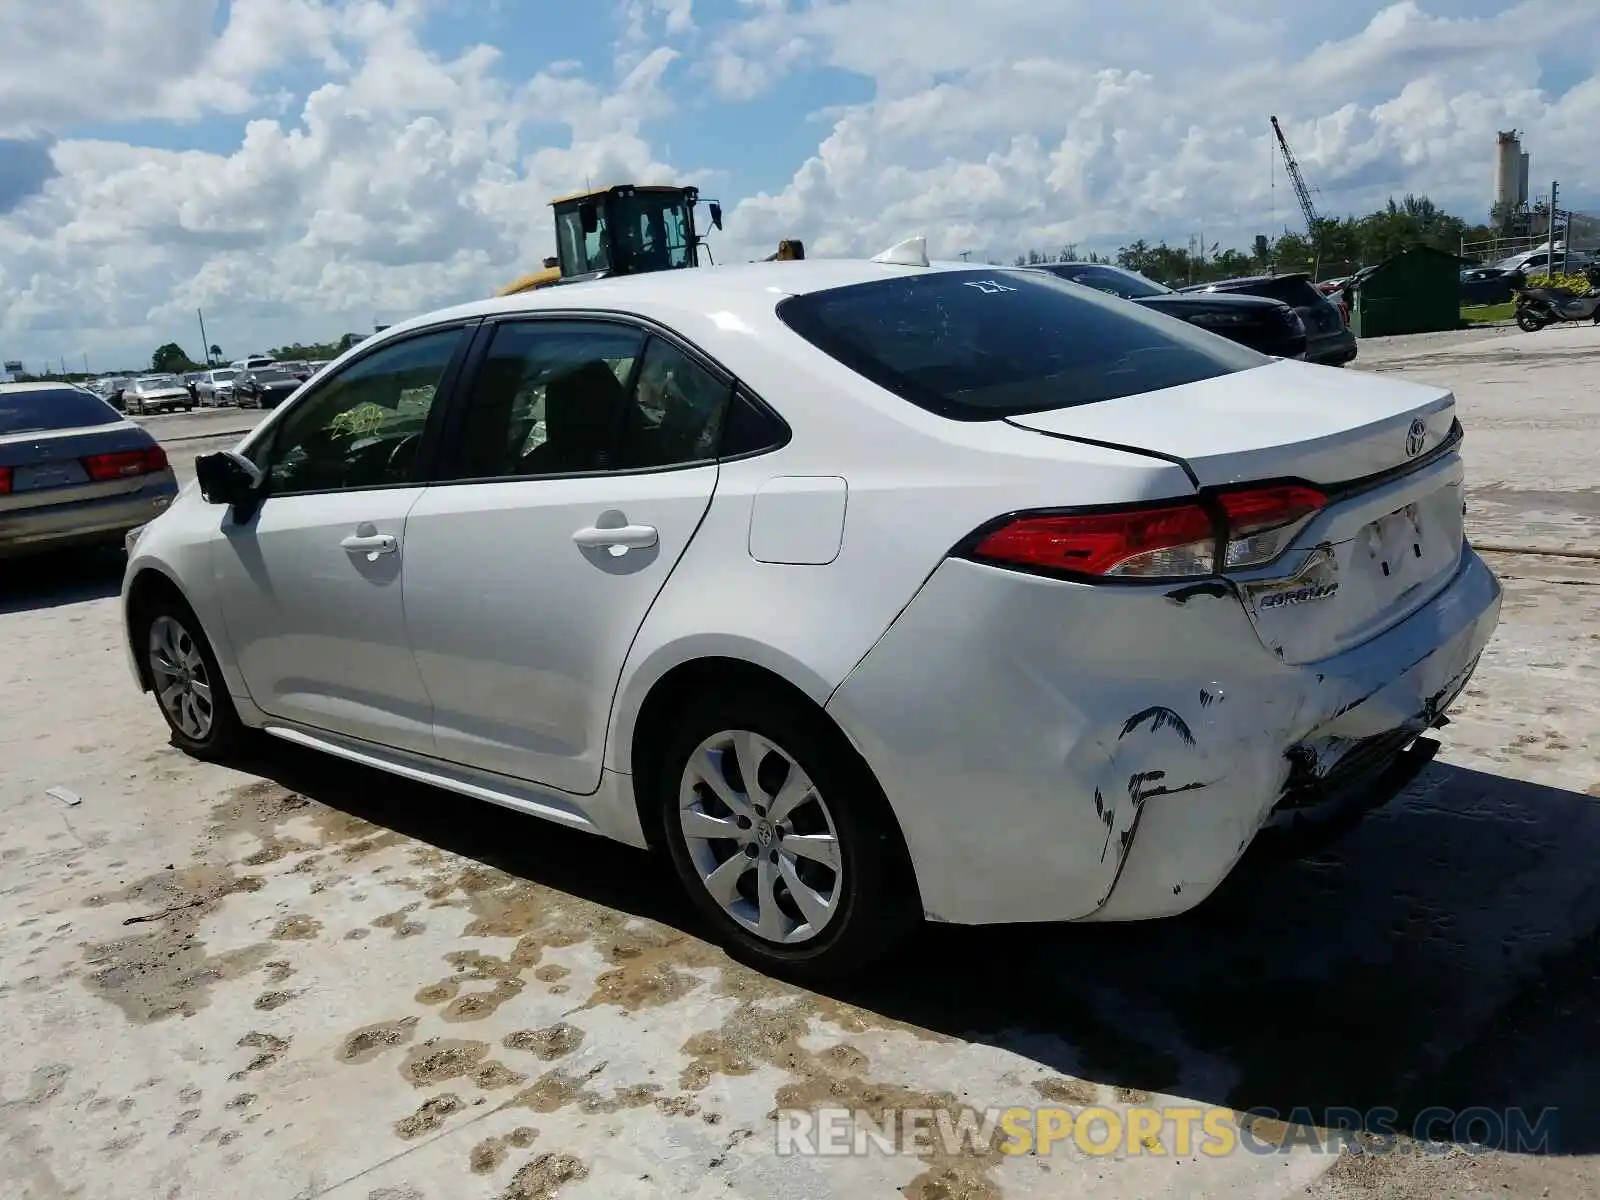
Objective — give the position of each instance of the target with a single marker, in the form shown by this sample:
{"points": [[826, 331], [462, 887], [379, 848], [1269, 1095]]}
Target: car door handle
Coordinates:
{"points": [[624, 537], [371, 545]]}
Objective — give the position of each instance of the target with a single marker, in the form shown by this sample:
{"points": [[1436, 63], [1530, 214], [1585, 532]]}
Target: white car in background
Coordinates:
{"points": [[866, 591]]}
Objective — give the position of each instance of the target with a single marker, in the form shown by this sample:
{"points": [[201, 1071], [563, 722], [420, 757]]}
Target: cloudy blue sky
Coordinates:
{"points": [[302, 167]]}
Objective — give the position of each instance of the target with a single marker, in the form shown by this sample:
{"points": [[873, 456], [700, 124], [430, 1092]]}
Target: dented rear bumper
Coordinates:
{"points": [[1064, 751]]}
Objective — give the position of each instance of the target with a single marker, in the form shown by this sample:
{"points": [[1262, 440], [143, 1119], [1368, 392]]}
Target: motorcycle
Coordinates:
{"points": [[1538, 307]]}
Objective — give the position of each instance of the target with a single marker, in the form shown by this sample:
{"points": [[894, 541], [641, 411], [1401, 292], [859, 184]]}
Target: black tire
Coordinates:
{"points": [[226, 739], [878, 901], [1529, 323]]}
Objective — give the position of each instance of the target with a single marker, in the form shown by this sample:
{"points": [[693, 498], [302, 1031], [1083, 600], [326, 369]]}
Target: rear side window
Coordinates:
{"points": [[53, 408], [978, 345]]}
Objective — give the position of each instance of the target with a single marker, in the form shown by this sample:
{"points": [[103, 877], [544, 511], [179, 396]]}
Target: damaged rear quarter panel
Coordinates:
{"points": [[1020, 726], [1060, 751]]}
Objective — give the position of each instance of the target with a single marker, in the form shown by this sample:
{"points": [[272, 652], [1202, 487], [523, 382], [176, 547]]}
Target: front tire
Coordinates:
{"points": [[782, 837], [187, 682], [1528, 322]]}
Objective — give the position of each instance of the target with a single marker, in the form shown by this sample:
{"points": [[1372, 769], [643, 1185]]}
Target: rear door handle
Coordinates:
{"points": [[372, 544], [618, 537]]}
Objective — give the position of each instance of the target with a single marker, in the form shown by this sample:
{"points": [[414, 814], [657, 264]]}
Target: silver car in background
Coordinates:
{"points": [[156, 393], [215, 388], [74, 471]]}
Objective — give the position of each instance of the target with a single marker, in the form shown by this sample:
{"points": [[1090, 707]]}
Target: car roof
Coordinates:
{"points": [[40, 385], [743, 287], [1247, 280]]}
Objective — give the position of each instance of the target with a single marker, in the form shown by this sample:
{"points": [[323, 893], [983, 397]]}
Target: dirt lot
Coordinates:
{"points": [[304, 980]]}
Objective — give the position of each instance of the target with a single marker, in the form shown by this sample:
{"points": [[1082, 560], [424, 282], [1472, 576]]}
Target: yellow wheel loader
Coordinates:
{"points": [[628, 229]]}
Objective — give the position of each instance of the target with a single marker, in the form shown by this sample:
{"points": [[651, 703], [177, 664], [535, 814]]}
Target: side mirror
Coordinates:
{"points": [[228, 478], [716, 214], [589, 216]]}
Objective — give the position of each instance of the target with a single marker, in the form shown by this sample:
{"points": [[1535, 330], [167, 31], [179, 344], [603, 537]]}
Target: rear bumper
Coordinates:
{"points": [[1055, 751], [85, 522], [1332, 350]]}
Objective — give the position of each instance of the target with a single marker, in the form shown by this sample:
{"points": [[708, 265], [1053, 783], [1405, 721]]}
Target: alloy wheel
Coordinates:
{"points": [[761, 837], [182, 683]]}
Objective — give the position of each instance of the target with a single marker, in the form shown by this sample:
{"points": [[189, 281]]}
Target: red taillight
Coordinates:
{"points": [[1173, 540], [125, 463], [1262, 521], [1170, 541], [5, 481]]}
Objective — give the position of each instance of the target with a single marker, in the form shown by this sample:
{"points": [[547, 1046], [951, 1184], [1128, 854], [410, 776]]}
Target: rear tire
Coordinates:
{"points": [[766, 888], [187, 683], [1529, 323]]}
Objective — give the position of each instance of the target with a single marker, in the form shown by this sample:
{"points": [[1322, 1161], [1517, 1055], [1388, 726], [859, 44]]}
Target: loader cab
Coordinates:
{"points": [[628, 230]]}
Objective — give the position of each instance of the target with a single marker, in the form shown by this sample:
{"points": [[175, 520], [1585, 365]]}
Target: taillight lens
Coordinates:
{"points": [[5, 481], [125, 463], [1140, 543], [1263, 521], [1173, 541]]}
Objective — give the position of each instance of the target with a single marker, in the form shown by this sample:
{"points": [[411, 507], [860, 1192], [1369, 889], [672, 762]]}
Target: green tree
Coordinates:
{"points": [[171, 360], [216, 352]]}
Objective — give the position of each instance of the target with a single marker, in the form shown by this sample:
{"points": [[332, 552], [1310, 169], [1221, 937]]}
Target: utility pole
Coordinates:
{"points": [[1550, 258], [205, 346], [85, 362]]}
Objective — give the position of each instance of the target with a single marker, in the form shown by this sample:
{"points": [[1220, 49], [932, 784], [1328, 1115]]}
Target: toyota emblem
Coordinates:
{"points": [[1415, 437]]}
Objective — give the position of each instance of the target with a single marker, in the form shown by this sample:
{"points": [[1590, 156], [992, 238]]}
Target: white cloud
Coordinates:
{"points": [[1149, 119], [402, 178], [401, 186]]}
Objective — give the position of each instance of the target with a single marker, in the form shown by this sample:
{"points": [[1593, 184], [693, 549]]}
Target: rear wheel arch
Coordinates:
{"points": [[678, 687]]}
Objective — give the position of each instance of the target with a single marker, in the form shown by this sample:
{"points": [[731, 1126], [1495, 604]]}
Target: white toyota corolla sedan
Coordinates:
{"points": [[868, 591]]}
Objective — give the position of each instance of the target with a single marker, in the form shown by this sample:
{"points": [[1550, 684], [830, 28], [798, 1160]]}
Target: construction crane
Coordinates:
{"points": [[1302, 193]]}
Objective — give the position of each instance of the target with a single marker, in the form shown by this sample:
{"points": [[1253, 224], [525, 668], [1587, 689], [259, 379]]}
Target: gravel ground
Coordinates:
{"points": [[297, 979]]}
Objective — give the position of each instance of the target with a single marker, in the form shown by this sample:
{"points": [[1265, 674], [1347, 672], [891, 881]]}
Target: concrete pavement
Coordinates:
{"points": [[304, 980]]}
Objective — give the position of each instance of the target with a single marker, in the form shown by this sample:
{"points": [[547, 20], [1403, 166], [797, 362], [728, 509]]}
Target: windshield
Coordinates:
{"points": [[1127, 284], [158, 381], [52, 408], [652, 231], [977, 345], [269, 374], [222, 376]]}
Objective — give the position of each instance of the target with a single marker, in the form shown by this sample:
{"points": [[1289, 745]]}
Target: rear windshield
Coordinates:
{"points": [[1110, 279], [977, 345], [54, 408], [271, 374], [1295, 291]]}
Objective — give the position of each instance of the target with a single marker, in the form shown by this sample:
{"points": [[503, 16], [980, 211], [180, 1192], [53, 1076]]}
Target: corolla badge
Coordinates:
{"points": [[1416, 436]]}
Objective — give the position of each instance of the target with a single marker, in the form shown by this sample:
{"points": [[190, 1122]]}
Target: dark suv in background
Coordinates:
{"points": [[1328, 339], [1264, 325]]}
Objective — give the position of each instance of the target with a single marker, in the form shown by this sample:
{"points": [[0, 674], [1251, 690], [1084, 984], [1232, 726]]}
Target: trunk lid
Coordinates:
{"points": [[1283, 420], [1391, 535], [47, 466]]}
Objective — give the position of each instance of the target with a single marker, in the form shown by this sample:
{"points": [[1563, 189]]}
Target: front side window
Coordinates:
{"points": [[362, 427], [654, 231], [983, 344]]}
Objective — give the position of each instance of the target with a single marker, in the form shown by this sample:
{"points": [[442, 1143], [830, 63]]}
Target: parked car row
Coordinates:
{"points": [[263, 378]]}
